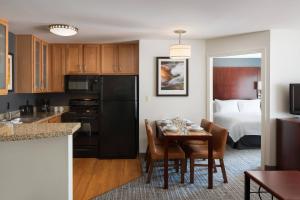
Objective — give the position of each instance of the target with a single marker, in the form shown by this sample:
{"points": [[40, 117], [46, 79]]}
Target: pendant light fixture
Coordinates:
{"points": [[63, 29], [180, 51]]}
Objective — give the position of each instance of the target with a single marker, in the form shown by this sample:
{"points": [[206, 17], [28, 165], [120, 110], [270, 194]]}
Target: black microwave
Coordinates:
{"points": [[82, 84]]}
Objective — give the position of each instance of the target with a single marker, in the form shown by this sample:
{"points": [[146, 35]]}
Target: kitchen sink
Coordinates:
{"points": [[20, 120]]}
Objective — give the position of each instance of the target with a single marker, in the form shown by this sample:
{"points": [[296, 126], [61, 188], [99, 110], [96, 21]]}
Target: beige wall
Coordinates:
{"points": [[285, 69], [241, 44], [153, 107]]}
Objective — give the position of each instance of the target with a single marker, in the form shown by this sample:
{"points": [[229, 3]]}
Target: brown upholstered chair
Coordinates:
{"points": [[207, 126], [156, 153], [156, 140], [195, 151]]}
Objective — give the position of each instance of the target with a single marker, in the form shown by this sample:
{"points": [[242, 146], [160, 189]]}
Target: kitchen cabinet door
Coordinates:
{"points": [[45, 67], [58, 63], [109, 58], [127, 59], [74, 59], [91, 59], [37, 66], [3, 57]]}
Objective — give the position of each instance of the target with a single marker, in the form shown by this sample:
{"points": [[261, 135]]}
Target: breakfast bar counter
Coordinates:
{"points": [[29, 131], [36, 161]]}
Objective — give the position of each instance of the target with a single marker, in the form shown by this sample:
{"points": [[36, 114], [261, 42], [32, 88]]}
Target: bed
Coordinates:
{"points": [[242, 118]]}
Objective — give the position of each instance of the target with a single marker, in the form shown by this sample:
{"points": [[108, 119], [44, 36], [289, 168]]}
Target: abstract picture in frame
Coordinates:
{"points": [[172, 77], [10, 81]]}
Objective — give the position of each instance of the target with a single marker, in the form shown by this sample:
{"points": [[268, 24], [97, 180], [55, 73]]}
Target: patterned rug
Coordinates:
{"points": [[236, 162]]}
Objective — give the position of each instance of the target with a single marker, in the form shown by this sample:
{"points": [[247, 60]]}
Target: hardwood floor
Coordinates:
{"points": [[93, 177]]}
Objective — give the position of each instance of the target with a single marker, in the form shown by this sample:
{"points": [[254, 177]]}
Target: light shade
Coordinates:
{"points": [[63, 29], [180, 51]]}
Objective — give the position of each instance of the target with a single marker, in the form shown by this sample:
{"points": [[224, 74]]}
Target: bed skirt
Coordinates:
{"points": [[246, 142]]}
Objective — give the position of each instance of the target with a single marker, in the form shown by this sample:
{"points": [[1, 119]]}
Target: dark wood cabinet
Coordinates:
{"points": [[288, 144]]}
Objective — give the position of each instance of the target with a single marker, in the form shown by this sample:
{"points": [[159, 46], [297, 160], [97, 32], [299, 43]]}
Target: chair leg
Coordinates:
{"points": [[192, 169], [148, 162], [215, 168], [150, 171], [223, 170], [147, 152], [176, 162], [185, 165], [182, 170]]}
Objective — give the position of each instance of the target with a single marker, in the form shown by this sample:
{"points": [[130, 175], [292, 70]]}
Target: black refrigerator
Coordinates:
{"points": [[118, 137]]}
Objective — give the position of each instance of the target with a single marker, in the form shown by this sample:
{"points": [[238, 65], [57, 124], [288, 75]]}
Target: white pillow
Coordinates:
{"points": [[249, 106], [226, 106]]}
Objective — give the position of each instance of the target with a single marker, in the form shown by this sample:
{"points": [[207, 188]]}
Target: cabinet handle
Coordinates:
{"points": [[84, 68]]}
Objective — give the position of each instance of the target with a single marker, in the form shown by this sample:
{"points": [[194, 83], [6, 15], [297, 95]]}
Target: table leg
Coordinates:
{"points": [[166, 164], [210, 163], [247, 187]]}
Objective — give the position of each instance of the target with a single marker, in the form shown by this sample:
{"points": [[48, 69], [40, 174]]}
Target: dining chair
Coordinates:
{"points": [[207, 126], [156, 153], [156, 140], [195, 151]]}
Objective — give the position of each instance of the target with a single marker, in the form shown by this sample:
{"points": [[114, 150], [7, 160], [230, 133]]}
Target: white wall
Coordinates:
{"points": [[153, 107], [37, 169], [284, 69], [243, 44]]}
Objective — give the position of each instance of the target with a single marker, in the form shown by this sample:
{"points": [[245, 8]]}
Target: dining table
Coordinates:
{"points": [[179, 137]]}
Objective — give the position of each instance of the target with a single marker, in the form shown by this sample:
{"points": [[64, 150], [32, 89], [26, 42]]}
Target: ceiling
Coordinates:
{"points": [[117, 20]]}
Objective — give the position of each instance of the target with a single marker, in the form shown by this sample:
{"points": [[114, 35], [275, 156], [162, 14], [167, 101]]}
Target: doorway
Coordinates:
{"points": [[237, 78]]}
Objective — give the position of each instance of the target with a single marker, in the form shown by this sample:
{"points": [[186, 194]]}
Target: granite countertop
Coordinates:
{"points": [[30, 131]]}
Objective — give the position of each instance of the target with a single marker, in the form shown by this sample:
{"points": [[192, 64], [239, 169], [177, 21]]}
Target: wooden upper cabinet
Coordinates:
{"points": [[127, 59], [57, 67], [31, 65], [91, 59], [83, 59], [74, 59], [119, 59], [109, 58], [45, 67], [4, 76]]}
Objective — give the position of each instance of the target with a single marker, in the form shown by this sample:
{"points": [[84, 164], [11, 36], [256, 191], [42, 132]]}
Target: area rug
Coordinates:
{"points": [[236, 162]]}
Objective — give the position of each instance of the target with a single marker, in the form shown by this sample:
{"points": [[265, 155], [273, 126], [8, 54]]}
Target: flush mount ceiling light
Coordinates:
{"points": [[63, 29], [180, 51]]}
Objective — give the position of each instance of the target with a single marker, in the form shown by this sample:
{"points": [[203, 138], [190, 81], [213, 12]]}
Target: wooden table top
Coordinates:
{"points": [[283, 184], [186, 134]]}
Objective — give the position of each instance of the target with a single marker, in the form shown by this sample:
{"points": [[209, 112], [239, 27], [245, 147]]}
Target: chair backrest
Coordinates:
{"points": [[219, 138], [150, 136], [206, 125]]}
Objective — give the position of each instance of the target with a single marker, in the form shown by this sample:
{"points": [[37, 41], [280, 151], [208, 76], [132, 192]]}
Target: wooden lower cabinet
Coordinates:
{"points": [[288, 144], [56, 119], [57, 67]]}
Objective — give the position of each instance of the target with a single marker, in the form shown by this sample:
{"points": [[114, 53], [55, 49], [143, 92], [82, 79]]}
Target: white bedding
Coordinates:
{"points": [[239, 124]]}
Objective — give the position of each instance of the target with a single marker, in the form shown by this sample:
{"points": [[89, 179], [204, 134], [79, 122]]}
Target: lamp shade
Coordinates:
{"points": [[180, 51]]}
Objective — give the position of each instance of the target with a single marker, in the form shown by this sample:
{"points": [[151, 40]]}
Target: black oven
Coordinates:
{"points": [[82, 84], [85, 112]]}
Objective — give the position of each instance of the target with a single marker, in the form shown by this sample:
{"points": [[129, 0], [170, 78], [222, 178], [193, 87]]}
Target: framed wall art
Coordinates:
{"points": [[172, 77]]}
